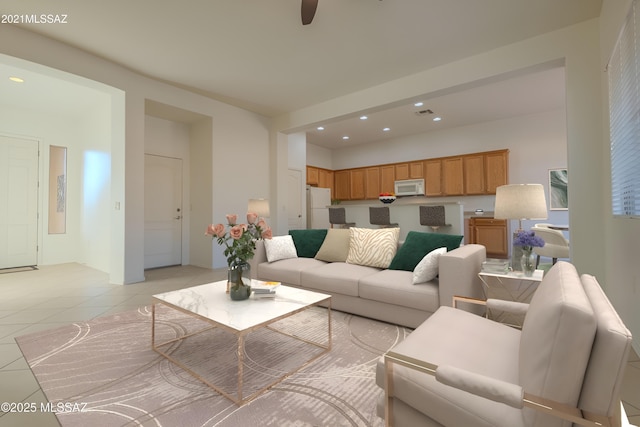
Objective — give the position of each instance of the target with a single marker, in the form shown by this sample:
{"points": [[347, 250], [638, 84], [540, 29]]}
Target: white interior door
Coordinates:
{"points": [[294, 200], [19, 206], [162, 211]]}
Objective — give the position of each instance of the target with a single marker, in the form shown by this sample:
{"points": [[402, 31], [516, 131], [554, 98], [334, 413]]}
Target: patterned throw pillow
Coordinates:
{"points": [[373, 247], [280, 247], [427, 269]]}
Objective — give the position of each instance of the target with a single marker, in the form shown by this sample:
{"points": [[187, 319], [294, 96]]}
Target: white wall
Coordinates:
{"points": [[240, 141], [320, 157], [621, 245]]}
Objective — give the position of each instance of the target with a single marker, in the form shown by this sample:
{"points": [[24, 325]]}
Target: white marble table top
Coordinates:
{"points": [[211, 302]]}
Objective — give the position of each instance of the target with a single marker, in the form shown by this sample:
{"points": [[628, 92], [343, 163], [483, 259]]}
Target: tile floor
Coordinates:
{"points": [[57, 295]]}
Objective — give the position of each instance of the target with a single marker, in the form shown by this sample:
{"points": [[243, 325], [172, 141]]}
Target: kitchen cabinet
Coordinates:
{"points": [[433, 177], [372, 182], [312, 175], [325, 179], [452, 176], [387, 179], [409, 170], [357, 184], [466, 174], [496, 166], [342, 184], [474, 174], [492, 234]]}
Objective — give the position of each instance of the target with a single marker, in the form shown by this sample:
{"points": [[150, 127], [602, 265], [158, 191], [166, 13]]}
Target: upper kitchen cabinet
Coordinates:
{"points": [[433, 177], [496, 166], [357, 184], [453, 176], [409, 170], [312, 175], [342, 184], [474, 174], [387, 179], [372, 182]]}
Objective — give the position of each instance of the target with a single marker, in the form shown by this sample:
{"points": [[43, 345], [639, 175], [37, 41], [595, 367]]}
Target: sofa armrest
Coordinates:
{"points": [[458, 275]]}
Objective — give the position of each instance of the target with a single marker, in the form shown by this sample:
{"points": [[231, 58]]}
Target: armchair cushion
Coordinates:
{"points": [[464, 340], [557, 336]]}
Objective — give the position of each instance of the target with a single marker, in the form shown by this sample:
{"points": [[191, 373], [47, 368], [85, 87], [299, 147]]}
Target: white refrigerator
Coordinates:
{"points": [[318, 201]]}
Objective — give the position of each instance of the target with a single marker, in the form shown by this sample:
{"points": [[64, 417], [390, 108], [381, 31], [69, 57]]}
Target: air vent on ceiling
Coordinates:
{"points": [[424, 112]]}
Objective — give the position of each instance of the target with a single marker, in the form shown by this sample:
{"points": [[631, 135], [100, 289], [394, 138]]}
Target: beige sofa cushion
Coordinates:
{"points": [[336, 277], [287, 271], [396, 287], [557, 336]]}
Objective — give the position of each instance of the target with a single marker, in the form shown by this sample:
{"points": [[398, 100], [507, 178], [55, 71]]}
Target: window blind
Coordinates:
{"points": [[624, 114]]}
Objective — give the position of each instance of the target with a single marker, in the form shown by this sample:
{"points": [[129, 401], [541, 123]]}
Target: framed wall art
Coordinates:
{"points": [[558, 190]]}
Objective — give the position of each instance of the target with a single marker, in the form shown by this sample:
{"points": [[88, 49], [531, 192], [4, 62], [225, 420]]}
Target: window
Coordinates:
{"points": [[624, 113]]}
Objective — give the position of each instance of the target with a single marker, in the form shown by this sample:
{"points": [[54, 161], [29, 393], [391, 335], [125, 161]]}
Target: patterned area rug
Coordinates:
{"points": [[104, 372]]}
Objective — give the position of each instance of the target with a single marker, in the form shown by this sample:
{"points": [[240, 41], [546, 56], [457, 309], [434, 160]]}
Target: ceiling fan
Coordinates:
{"points": [[308, 11]]}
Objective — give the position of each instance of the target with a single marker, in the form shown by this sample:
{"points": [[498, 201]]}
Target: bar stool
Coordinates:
{"points": [[380, 216], [433, 216], [337, 216]]}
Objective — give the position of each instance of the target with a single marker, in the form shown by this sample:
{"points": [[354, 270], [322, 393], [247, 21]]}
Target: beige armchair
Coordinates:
{"points": [[564, 368]]}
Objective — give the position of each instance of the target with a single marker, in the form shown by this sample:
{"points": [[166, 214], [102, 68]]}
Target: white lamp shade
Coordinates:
{"points": [[520, 201], [260, 207]]}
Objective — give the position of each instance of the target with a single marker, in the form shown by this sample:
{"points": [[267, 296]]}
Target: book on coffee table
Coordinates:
{"points": [[261, 288]]}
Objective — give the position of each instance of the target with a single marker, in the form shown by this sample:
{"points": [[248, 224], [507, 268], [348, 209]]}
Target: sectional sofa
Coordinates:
{"points": [[370, 273]]}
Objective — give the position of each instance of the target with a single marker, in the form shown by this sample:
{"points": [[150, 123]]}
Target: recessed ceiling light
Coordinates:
{"points": [[345, 137], [386, 129], [320, 128], [437, 119], [363, 117], [418, 104], [16, 79]]}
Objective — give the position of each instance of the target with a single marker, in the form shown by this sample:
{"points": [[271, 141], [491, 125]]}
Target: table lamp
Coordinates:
{"points": [[260, 207], [520, 201]]}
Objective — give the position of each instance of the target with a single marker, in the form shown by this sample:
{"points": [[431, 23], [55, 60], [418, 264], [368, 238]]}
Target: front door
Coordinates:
{"points": [[18, 202], [162, 211]]}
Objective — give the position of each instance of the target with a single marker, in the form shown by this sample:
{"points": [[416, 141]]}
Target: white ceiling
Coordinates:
{"points": [[257, 55]]}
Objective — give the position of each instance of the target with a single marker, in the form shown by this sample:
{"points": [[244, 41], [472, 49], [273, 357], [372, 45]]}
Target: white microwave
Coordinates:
{"points": [[409, 187]]}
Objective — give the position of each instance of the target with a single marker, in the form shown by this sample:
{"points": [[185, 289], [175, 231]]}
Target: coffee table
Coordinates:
{"points": [[212, 304]]}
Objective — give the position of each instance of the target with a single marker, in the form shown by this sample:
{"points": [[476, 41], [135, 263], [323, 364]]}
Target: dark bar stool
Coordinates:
{"points": [[380, 216], [433, 216], [337, 216]]}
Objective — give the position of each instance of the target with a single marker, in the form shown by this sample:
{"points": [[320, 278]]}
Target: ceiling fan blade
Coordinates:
{"points": [[308, 11]]}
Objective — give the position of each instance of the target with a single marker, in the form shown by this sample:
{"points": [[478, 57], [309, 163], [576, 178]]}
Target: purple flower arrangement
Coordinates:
{"points": [[528, 240]]}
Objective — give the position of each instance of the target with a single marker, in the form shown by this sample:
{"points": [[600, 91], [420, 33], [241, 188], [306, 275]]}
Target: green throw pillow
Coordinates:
{"points": [[418, 244], [308, 242]]}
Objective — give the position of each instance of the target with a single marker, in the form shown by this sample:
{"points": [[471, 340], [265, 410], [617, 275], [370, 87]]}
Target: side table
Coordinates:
{"points": [[512, 286]]}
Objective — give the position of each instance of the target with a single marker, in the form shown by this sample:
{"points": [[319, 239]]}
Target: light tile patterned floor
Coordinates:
{"points": [[58, 295]]}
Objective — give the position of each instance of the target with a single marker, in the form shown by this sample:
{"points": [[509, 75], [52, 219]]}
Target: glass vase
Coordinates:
{"points": [[528, 262], [239, 281]]}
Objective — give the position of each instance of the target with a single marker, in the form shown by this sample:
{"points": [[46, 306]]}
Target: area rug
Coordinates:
{"points": [[104, 372]]}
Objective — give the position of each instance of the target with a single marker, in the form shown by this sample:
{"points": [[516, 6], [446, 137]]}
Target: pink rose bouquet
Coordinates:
{"points": [[240, 239]]}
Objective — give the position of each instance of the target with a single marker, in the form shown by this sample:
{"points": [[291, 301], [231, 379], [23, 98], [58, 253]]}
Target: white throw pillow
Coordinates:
{"points": [[280, 247], [427, 269]]}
